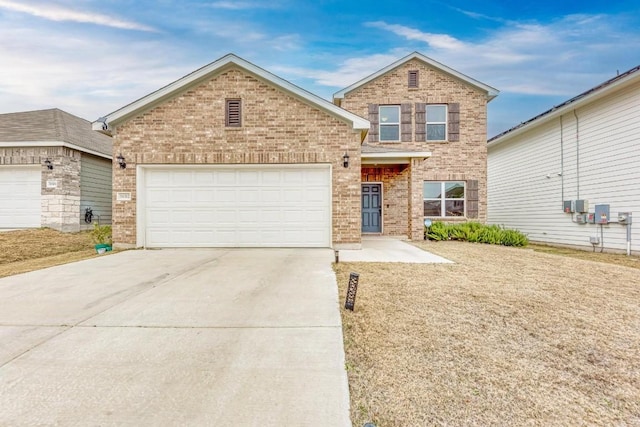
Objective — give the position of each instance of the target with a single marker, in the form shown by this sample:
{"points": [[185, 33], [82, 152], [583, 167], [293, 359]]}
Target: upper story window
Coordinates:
{"points": [[233, 113], [390, 123], [436, 122]]}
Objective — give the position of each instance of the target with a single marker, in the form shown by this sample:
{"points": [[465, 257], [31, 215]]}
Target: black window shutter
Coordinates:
{"points": [[472, 199], [413, 78], [234, 113], [375, 121], [454, 122], [405, 123], [421, 122]]}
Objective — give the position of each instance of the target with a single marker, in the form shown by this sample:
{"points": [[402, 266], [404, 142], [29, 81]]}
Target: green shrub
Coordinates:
{"points": [[514, 238], [475, 232], [101, 234], [438, 231]]}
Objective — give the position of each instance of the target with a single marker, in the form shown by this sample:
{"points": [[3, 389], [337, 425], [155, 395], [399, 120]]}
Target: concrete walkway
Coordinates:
{"points": [[175, 337], [389, 249]]}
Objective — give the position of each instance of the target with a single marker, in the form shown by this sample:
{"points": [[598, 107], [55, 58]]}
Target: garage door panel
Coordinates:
{"points": [[242, 207], [20, 197], [226, 178]]}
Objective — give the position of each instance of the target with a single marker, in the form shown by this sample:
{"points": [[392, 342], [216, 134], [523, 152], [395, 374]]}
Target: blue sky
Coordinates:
{"points": [[92, 57]]}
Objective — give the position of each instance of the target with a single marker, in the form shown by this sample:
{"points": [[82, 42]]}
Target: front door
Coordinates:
{"points": [[371, 208]]}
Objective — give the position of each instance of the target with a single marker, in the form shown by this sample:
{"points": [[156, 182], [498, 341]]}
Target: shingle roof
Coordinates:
{"points": [[573, 103], [368, 148], [53, 125]]}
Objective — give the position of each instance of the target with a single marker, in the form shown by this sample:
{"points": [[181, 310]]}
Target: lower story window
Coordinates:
{"points": [[443, 198]]}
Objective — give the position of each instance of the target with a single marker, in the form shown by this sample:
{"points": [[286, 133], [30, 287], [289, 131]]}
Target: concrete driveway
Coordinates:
{"points": [[175, 337]]}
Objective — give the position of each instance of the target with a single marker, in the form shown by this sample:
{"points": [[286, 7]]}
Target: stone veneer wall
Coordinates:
{"points": [[462, 160], [276, 129], [60, 205]]}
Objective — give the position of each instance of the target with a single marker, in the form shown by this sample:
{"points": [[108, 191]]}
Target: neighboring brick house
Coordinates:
{"points": [[232, 155], [52, 167], [425, 155]]}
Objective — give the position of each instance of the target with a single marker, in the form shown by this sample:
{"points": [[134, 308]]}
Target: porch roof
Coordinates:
{"points": [[377, 155]]}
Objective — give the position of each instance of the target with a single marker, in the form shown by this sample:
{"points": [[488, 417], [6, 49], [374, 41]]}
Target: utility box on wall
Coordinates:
{"points": [[582, 206], [568, 206], [624, 217], [581, 218], [602, 214]]}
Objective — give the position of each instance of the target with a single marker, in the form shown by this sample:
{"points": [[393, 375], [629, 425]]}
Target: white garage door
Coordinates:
{"points": [[237, 207], [20, 189]]}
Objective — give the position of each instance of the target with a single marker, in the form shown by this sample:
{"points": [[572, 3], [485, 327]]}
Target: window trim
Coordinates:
{"points": [[380, 124], [445, 123], [443, 199]]}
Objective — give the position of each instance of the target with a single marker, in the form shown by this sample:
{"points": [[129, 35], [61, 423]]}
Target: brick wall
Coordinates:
{"points": [[60, 205], [462, 160], [276, 129]]}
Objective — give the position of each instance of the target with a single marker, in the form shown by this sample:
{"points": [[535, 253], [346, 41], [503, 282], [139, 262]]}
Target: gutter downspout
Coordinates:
{"points": [[562, 159], [577, 155]]}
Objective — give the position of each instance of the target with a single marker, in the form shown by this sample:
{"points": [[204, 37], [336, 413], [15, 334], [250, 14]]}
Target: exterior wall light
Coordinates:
{"points": [[48, 164], [345, 160], [121, 162]]}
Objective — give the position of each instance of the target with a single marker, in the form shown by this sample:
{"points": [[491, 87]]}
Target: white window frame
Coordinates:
{"points": [[388, 124], [445, 122], [443, 199]]}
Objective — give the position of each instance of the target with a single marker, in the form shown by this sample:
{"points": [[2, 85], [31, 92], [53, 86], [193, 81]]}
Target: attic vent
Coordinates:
{"points": [[413, 78], [234, 113]]}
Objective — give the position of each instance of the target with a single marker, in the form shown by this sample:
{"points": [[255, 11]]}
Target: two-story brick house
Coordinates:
{"points": [[425, 155], [232, 155]]}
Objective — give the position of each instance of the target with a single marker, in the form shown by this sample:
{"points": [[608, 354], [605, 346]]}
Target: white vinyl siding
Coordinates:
{"points": [[265, 206], [95, 188], [20, 196], [598, 162]]}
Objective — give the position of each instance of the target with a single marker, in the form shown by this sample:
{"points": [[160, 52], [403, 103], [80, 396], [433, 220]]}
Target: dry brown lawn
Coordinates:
{"points": [[27, 250], [506, 336]]}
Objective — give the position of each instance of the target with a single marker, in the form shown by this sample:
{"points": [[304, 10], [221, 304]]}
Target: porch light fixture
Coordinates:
{"points": [[48, 164], [121, 161], [345, 160]]}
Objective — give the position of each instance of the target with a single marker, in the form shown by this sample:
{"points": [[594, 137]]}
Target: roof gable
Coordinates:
{"points": [[490, 91], [52, 127], [213, 69], [618, 82]]}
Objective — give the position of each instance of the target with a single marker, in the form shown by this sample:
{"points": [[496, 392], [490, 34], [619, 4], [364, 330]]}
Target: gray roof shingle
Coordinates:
{"points": [[52, 125]]}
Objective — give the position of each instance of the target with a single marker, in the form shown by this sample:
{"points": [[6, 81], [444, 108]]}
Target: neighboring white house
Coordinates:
{"points": [[587, 148]]}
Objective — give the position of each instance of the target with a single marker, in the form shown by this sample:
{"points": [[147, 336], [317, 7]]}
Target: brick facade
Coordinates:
{"points": [[276, 129], [462, 160], [60, 205]]}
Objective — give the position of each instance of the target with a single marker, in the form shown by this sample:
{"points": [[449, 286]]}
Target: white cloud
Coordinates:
{"points": [[53, 12], [529, 58], [80, 75], [438, 41], [243, 5], [348, 72]]}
